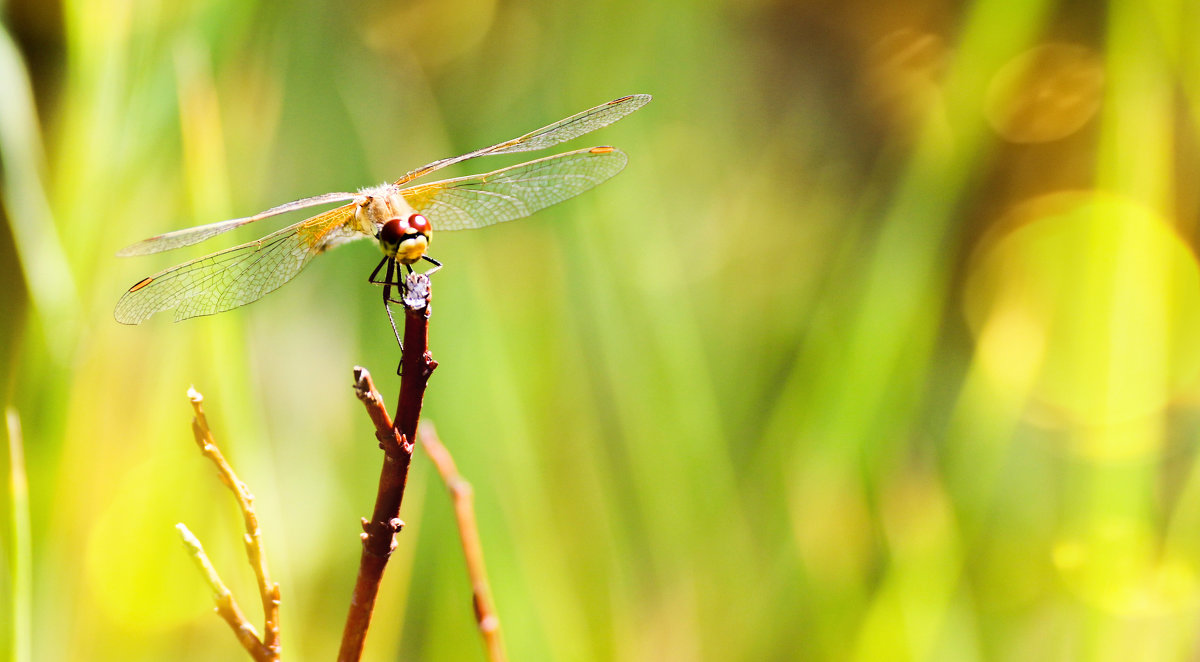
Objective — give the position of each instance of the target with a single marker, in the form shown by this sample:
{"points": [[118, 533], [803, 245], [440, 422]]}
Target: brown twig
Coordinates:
{"points": [[464, 511], [226, 606], [396, 439], [267, 649]]}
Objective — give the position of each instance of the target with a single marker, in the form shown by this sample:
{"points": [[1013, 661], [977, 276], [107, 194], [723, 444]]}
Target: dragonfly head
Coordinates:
{"points": [[405, 239]]}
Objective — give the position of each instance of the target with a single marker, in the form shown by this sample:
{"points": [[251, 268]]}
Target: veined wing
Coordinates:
{"points": [[195, 235], [236, 276], [513, 192], [547, 136]]}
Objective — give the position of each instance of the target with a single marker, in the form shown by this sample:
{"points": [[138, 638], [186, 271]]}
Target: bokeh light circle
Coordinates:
{"points": [[1045, 93], [1090, 303]]}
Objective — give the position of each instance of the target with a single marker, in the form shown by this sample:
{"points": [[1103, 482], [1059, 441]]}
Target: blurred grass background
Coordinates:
{"points": [[883, 347]]}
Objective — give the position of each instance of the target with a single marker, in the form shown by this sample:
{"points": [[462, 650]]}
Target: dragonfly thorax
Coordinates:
{"points": [[402, 233]]}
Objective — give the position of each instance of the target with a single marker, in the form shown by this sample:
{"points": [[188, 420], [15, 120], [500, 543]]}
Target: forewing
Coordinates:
{"points": [[513, 192], [547, 136], [238, 275], [573, 126], [195, 235]]}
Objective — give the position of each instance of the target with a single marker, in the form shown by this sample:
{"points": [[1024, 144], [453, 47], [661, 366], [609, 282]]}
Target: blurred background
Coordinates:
{"points": [[883, 347]]}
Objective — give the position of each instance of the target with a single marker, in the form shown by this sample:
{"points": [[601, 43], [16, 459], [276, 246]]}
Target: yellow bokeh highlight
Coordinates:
{"points": [[1114, 565], [134, 558], [1045, 93], [1090, 303]]}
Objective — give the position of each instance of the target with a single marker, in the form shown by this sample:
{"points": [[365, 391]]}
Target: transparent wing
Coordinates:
{"points": [[547, 136], [514, 192], [195, 235], [236, 276]]}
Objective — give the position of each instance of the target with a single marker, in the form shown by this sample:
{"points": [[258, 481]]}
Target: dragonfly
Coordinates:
{"points": [[399, 216]]}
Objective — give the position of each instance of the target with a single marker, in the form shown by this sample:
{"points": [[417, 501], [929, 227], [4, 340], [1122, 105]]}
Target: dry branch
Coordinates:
{"points": [[226, 606], [267, 649], [396, 439], [464, 511]]}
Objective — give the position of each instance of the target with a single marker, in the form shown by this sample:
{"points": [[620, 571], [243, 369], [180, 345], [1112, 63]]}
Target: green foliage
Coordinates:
{"points": [[879, 349]]}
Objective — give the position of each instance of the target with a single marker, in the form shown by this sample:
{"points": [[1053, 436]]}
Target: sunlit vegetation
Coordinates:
{"points": [[884, 346]]}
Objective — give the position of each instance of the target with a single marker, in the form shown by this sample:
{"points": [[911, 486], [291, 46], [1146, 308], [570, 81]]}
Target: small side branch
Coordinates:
{"points": [[226, 606], [468, 532], [268, 648], [395, 437]]}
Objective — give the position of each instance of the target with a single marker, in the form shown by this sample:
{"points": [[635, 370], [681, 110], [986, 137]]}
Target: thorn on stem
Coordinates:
{"points": [[489, 624], [461, 488]]}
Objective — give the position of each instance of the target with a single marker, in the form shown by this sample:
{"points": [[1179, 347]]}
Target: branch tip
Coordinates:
{"points": [[416, 294], [363, 384], [262, 650]]}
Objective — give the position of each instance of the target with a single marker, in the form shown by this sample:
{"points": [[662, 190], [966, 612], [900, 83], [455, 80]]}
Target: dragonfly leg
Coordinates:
{"points": [[394, 281], [387, 294], [371, 278], [390, 280], [436, 265]]}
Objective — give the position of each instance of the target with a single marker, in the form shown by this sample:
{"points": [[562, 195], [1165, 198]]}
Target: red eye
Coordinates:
{"points": [[419, 223], [391, 232]]}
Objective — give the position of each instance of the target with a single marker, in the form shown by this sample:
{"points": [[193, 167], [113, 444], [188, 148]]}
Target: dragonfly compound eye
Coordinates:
{"points": [[418, 223], [392, 233]]}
